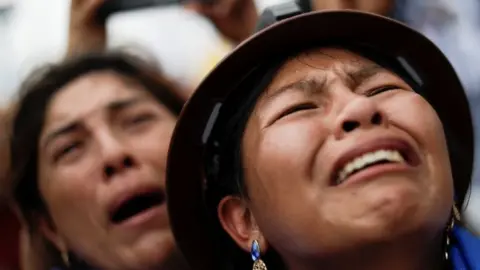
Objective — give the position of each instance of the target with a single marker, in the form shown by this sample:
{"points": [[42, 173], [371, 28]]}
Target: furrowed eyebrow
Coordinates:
{"points": [[317, 84], [73, 126], [360, 75], [309, 85]]}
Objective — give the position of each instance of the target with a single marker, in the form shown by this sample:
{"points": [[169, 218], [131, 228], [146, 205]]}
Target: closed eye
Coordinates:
{"points": [[296, 108], [140, 118], [376, 91], [67, 149]]}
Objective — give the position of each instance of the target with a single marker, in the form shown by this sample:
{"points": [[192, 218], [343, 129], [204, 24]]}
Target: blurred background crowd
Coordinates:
{"points": [[185, 39]]}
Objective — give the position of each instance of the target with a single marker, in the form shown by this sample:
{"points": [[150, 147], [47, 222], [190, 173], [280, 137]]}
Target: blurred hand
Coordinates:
{"points": [[86, 33], [381, 7], [221, 8], [235, 19]]}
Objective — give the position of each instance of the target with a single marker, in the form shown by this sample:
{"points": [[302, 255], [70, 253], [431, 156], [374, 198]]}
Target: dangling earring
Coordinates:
{"points": [[258, 264], [66, 259], [449, 230]]}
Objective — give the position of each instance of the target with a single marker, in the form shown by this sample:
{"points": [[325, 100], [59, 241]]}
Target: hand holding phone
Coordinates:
{"points": [[86, 33], [84, 12]]}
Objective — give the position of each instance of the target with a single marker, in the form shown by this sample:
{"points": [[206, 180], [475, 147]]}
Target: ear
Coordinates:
{"points": [[237, 220], [47, 229]]}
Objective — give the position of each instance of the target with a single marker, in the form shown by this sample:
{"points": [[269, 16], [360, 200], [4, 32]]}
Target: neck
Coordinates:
{"points": [[409, 255]]}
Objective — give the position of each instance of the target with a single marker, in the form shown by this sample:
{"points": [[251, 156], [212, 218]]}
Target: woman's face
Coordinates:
{"points": [[339, 153], [102, 172]]}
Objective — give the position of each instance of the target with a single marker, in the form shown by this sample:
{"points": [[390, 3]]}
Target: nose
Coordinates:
{"points": [[359, 113], [112, 168], [116, 156]]}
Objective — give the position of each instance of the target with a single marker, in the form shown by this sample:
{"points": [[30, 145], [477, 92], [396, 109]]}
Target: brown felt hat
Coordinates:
{"points": [[186, 183]]}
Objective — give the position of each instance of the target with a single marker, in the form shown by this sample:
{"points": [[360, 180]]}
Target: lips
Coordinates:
{"points": [[377, 153], [136, 203]]}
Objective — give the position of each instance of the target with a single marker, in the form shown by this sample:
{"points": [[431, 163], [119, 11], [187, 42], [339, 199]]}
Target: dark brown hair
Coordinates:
{"points": [[5, 117]]}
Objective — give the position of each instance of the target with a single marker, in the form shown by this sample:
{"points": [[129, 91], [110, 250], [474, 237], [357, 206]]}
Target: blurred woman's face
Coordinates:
{"points": [[102, 172], [340, 154]]}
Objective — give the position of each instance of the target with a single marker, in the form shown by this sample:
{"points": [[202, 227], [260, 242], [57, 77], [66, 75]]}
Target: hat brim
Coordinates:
{"points": [[185, 172]]}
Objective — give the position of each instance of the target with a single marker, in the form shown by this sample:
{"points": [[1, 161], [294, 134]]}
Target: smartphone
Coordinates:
{"points": [[113, 6], [305, 5]]}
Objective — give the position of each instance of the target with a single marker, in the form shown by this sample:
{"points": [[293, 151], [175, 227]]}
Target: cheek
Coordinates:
{"points": [[69, 197], [279, 159], [422, 123], [414, 113], [278, 178], [153, 145], [289, 149]]}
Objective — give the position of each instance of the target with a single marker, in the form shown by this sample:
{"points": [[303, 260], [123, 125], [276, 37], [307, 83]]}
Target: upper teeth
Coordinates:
{"points": [[367, 159]]}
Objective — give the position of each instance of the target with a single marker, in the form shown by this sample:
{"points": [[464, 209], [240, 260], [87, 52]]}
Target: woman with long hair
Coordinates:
{"points": [[88, 150]]}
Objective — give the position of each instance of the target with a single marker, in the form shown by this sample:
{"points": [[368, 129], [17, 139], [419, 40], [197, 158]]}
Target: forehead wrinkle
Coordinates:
{"points": [[306, 57], [118, 102], [64, 119], [352, 71]]}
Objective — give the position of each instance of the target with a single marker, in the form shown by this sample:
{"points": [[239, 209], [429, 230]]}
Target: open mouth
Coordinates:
{"points": [[368, 160], [383, 153], [136, 205]]}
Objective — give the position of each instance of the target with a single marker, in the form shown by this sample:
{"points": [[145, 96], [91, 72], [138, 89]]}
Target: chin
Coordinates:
{"points": [[397, 196], [395, 226], [153, 252], [395, 212]]}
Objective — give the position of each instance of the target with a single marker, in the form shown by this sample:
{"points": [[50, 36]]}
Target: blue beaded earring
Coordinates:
{"points": [[258, 264]]}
